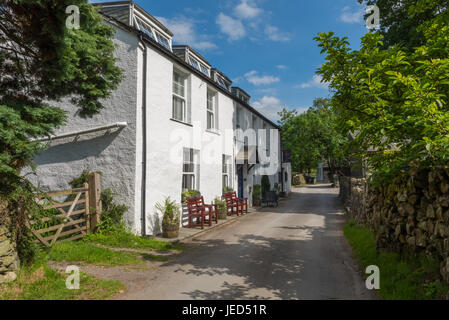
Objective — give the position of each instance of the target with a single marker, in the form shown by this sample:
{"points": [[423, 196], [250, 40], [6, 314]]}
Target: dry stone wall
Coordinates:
{"points": [[410, 215], [9, 261]]}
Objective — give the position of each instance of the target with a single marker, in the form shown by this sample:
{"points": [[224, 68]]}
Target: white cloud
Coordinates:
{"points": [[254, 78], [184, 33], [269, 106], [282, 67], [273, 33], [314, 83], [233, 28], [247, 10], [349, 16]]}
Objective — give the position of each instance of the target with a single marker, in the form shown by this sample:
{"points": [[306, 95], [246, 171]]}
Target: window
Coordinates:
{"points": [[204, 70], [267, 142], [163, 41], [194, 63], [179, 97], [199, 66], [237, 120], [227, 168], [222, 83], [255, 129], [145, 29], [190, 170], [212, 110]]}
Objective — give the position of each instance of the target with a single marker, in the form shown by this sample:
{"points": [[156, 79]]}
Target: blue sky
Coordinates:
{"points": [[265, 47]]}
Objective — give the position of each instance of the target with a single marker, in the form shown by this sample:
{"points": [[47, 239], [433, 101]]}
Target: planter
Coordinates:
{"points": [[257, 202], [222, 215], [170, 231]]}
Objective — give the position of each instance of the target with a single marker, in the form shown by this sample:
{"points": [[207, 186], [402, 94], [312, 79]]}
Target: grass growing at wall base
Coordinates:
{"points": [[124, 239], [415, 278]]}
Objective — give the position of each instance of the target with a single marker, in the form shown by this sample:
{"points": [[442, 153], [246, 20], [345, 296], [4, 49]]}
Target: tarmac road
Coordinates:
{"points": [[295, 251]]}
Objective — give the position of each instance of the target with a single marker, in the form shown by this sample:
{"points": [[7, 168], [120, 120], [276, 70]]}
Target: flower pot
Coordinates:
{"points": [[257, 202], [170, 231], [222, 215]]}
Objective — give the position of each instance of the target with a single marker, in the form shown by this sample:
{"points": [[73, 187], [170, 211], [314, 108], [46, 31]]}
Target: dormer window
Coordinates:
{"points": [[163, 41], [222, 83], [204, 70], [198, 66], [145, 28]]}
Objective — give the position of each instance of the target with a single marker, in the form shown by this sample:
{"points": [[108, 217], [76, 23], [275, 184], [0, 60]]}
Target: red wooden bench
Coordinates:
{"points": [[199, 211], [235, 205]]}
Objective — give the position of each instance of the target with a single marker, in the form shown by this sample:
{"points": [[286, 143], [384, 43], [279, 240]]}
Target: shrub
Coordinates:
{"points": [[188, 194], [257, 192], [221, 204], [170, 211], [112, 213], [266, 185]]}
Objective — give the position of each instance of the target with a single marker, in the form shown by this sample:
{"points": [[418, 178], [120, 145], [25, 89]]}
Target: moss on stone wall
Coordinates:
{"points": [[411, 215]]}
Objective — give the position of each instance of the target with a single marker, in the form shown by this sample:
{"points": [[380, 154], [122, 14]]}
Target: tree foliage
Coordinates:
{"points": [[42, 60], [394, 101], [313, 137], [400, 21]]}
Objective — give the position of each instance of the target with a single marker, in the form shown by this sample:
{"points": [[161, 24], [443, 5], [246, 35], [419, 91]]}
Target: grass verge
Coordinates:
{"points": [[91, 254], [40, 282], [123, 239], [414, 278]]}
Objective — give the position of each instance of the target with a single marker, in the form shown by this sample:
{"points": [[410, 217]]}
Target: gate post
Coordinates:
{"points": [[94, 200]]}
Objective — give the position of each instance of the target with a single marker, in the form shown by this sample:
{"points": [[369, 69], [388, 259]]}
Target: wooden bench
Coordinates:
{"points": [[235, 205], [199, 211]]}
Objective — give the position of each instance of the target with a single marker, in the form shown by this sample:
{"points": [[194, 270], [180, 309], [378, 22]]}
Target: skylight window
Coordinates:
{"points": [[198, 66], [194, 64], [145, 29], [163, 41], [204, 70], [222, 83]]}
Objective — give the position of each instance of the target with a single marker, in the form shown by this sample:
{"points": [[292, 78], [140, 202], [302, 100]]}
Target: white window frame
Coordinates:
{"points": [[192, 165], [238, 115], [213, 111], [184, 99], [160, 39], [226, 170]]}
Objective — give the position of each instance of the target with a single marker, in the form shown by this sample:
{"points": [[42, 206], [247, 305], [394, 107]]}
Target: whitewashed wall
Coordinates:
{"points": [[167, 138], [111, 153]]}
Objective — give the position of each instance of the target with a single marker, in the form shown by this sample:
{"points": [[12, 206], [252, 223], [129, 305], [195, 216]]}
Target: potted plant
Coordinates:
{"points": [[171, 218], [189, 194], [227, 189], [257, 195], [221, 207]]}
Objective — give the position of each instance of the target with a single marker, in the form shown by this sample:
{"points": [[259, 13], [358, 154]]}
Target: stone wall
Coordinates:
{"points": [[9, 261], [410, 215]]}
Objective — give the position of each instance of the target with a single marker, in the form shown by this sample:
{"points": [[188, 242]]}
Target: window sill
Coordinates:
{"points": [[181, 122], [217, 132]]}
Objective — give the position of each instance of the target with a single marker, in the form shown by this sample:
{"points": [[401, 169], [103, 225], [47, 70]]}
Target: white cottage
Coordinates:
{"points": [[174, 123]]}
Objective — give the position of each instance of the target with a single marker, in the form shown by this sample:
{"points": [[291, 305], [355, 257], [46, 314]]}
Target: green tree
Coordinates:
{"points": [[313, 137], [42, 60], [400, 21], [396, 102]]}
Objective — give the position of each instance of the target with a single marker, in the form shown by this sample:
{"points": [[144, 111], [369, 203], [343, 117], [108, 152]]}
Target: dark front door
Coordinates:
{"points": [[240, 179]]}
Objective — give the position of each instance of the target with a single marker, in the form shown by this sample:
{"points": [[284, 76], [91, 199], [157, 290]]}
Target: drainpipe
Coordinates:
{"points": [[144, 141], [282, 162]]}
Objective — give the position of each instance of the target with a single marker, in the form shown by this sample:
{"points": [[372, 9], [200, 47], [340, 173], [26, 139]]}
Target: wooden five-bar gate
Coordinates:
{"points": [[70, 219]]}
